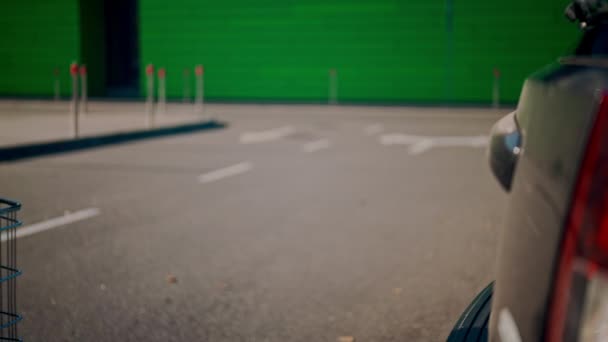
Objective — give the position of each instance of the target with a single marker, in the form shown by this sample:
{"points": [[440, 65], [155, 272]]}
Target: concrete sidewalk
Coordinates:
{"points": [[27, 121]]}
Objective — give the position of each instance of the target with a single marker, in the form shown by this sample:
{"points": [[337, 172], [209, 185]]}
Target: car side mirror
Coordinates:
{"points": [[504, 149]]}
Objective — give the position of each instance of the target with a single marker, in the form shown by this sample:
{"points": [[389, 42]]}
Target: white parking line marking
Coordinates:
{"points": [[268, 135], [419, 144], [56, 222], [316, 145], [374, 129], [420, 147], [507, 327], [225, 172], [400, 139]]}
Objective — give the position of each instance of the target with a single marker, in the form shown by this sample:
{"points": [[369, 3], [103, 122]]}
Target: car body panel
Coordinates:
{"points": [[555, 112]]}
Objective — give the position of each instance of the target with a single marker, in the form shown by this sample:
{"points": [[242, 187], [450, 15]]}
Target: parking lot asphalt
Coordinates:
{"points": [[296, 223]]}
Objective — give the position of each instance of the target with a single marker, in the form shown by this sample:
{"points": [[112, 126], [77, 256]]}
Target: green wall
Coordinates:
{"points": [[281, 50], [516, 36], [36, 37], [384, 50]]}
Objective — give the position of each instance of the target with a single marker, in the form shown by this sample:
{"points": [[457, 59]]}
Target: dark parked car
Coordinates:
{"points": [[552, 156]]}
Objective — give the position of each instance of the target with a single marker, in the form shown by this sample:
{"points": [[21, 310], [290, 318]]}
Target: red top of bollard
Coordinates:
{"points": [[83, 70], [496, 72], [56, 71], [199, 70], [74, 69], [150, 69], [162, 73], [333, 72], [186, 72]]}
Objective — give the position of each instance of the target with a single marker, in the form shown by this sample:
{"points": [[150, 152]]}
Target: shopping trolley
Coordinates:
{"points": [[8, 270]]}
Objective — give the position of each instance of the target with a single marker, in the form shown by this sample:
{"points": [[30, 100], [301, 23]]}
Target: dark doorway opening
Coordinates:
{"points": [[122, 48]]}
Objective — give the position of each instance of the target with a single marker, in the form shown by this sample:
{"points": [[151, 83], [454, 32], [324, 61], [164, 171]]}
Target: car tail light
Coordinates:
{"points": [[579, 304]]}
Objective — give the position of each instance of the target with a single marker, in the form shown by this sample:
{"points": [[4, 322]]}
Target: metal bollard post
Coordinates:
{"points": [[56, 85], [496, 89], [83, 89], [74, 105], [186, 89], [333, 86], [162, 91], [150, 96], [200, 86]]}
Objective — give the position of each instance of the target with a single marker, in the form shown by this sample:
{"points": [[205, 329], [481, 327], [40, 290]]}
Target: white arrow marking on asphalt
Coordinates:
{"points": [[419, 144], [225, 172], [268, 135], [56, 222], [400, 139], [316, 145], [374, 129]]}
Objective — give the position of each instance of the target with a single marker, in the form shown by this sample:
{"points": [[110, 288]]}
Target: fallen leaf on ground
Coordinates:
{"points": [[171, 279], [346, 339], [222, 285]]}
